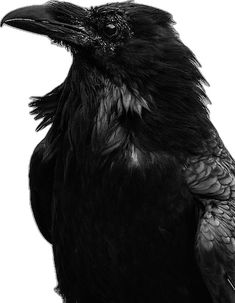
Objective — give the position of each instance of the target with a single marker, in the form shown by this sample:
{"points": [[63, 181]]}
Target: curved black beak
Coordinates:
{"points": [[61, 21]]}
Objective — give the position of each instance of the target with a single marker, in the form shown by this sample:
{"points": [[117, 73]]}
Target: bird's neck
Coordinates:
{"points": [[104, 118]]}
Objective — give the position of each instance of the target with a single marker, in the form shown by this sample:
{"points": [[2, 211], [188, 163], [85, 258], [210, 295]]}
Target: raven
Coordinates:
{"points": [[132, 185]]}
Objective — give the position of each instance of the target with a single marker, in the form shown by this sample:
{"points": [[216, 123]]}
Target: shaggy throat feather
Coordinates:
{"points": [[116, 106]]}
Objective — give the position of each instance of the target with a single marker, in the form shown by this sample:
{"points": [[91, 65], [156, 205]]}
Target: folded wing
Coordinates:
{"points": [[211, 177]]}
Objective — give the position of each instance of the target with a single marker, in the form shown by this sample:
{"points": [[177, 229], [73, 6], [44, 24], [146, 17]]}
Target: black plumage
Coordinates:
{"points": [[132, 185]]}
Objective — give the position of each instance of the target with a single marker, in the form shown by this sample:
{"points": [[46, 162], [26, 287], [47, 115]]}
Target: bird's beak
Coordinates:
{"points": [[52, 21]]}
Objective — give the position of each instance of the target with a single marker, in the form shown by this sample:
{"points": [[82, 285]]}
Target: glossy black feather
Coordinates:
{"points": [[45, 107], [41, 177]]}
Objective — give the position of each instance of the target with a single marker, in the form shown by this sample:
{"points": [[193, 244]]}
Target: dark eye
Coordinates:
{"points": [[111, 30]]}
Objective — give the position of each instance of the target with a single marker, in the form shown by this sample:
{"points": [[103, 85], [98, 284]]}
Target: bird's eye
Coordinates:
{"points": [[111, 30]]}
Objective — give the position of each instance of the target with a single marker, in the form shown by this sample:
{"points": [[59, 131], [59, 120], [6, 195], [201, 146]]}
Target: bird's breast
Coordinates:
{"points": [[122, 230]]}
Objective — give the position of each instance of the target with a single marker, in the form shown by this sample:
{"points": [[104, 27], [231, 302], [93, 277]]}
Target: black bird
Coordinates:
{"points": [[132, 184]]}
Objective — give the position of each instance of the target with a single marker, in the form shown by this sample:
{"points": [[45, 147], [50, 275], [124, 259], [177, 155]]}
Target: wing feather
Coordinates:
{"points": [[211, 178], [41, 179]]}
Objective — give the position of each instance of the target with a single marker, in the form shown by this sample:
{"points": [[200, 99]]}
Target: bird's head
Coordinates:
{"points": [[116, 33], [97, 29], [141, 59]]}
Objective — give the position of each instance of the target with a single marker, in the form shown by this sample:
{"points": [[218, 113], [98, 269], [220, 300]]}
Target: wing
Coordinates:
{"points": [[211, 177], [41, 177]]}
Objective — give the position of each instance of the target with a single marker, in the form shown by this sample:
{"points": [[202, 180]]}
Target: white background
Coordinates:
{"points": [[31, 66]]}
